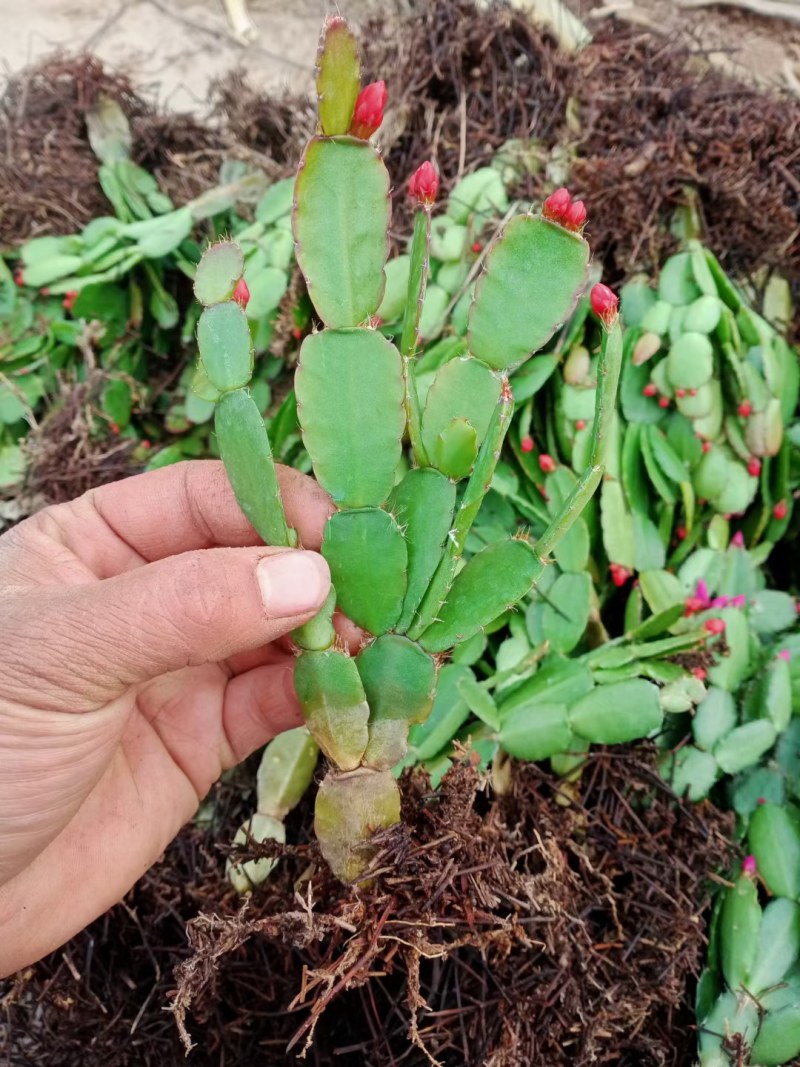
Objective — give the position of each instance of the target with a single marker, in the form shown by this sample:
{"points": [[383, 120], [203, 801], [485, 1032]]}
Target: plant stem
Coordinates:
{"points": [[417, 282]]}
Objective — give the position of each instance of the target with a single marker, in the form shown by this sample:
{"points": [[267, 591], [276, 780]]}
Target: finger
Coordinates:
{"points": [[180, 508], [80, 646], [259, 705]]}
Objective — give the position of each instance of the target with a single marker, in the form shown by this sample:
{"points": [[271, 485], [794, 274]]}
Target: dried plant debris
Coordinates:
{"points": [[548, 925]]}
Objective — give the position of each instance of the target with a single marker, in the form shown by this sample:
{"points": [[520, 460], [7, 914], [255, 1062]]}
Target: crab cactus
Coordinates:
{"points": [[396, 540]]}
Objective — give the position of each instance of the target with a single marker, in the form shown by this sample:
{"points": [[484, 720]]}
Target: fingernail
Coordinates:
{"points": [[293, 583]]}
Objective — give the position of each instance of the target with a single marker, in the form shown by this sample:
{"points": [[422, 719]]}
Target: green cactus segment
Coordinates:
{"points": [[536, 732], [456, 449], [338, 77], [388, 744], [417, 281], [778, 945], [246, 453], [740, 920], [350, 808], [534, 273], [778, 1039], [497, 577], [690, 362], [341, 218], [218, 271], [463, 391], [774, 836], [614, 714], [334, 705], [730, 1016], [244, 876], [318, 633], [368, 558], [285, 772], [226, 350], [399, 679], [423, 504], [349, 387]]}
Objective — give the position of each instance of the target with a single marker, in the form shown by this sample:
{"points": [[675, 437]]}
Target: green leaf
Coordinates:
{"points": [[612, 714], [566, 611], [535, 731], [117, 402], [677, 283], [497, 577], [778, 945], [731, 1015], [770, 611], [12, 466], [340, 227], [480, 702], [447, 716], [714, 719], [267, 287], [533, 275], [220, 268], [463, 389], [285, 772], [744, 746], [398, 678], [690, 772], [690, 363], [338, 77], [617, 523], [559, 682], [778, 1039], [774, 838], [334, 705], [650, 553], [349, 386], [740, 920], [223, 338], [276, 202], [730, 671]]}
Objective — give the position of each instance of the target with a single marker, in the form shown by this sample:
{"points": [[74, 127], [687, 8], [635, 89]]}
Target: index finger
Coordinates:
{"points": [[179, 508]]}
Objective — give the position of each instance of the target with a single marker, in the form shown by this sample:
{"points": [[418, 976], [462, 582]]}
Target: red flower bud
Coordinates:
{"points": [[745, 409], [619, 574], [692, 392], [556, 205], [714, 626], [114, 427], [526, 444], [706, 446], [368, 113], [681, 533], [477, 248], [663, 402], [297, 333], [580, 424], [650, 389], [692, 605], [750, 866], [575, 215], [754, 467], [700, 673], [69, 299], [19, 276], [680, 393], [145, 444], [604, 303], [547, 463], [241, 293], [423, 185], [781, 510]]}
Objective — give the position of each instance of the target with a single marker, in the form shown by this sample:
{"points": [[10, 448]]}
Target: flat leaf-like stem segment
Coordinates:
{"points": [[534, 273], [340, 220], [464, 389], [350, 808], [220, 268], [613, 714], [423, 504], [226, 350], [367, 555], [246, 453], [349, 386], [334, 705], [285, 772], [338, 76], [497, 577]]}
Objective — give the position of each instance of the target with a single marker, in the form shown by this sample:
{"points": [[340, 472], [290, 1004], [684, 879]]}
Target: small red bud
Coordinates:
{"points": [[423, 186], [692, 392], [368, 113], [297, 333], [19, 276], [692, 605], [663, 402], [745, 409], [526, 444], [547, 463], [706, 446], [761, 800], [580, 424], [145, 443], [575, 215], [681, 533], [241, 293], [619, 574], [714, 626], [69, 299], [700, 673], [785, 655], [477, 248], [650, 389], [680, 393], [781, 510], [754, 467], [556, 205], [113, 427], [44, 292], [604, 303], [750, 866]]}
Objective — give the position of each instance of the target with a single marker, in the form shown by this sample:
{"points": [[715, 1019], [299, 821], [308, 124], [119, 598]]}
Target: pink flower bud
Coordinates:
{"points": [[680, 393], [714, 626], [604, 303], [650, 389], [749, 866], [706, 447], [738, 539], [619, 574], [368, 113], [761, 800], [785, 654], [476, 247], [692, 605], [738, 601], [700, 673], [423, 185], [701, 591], [575, 215], [745, 409], [781, 510], [663, 402], [526, 444], [719, 602], [580, 424], [69, 299], [547, 463], [680, 533], [557, 205], [241, 293], [754, 467]]}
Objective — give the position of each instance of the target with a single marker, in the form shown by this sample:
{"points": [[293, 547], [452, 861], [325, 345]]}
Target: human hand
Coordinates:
{"points": [[138, 662]]}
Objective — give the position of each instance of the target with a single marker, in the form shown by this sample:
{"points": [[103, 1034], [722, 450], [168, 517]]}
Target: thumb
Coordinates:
{"points": [[86, 644]]}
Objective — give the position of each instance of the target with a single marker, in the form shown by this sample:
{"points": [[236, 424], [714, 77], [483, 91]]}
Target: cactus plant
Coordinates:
{"points": [[395, 543]]}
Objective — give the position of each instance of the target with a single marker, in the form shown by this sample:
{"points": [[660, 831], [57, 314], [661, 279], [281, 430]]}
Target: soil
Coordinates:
{"points": [[530, 923]]}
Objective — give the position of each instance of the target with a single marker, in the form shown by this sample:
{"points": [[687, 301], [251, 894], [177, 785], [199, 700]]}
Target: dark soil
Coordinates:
{"points": [[548, 925]]}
